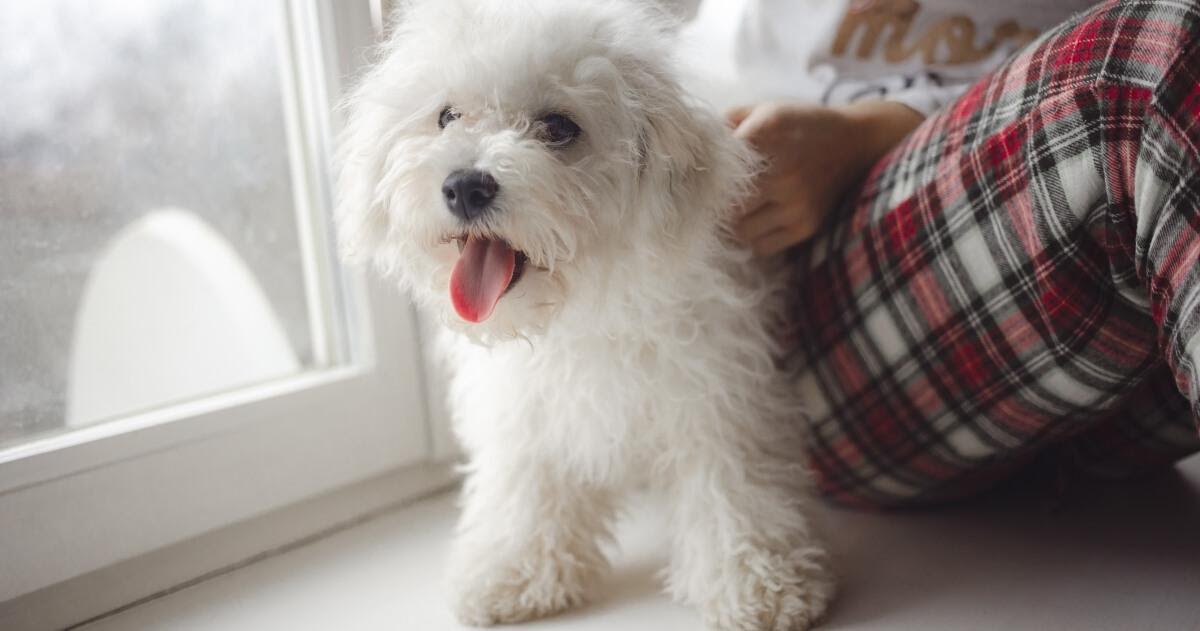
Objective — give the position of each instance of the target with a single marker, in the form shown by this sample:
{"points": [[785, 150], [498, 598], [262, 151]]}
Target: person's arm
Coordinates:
{"points": [[814, 155]]}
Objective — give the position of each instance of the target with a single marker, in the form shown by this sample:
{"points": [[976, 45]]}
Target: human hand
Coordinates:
{"points": [[814, 155]]}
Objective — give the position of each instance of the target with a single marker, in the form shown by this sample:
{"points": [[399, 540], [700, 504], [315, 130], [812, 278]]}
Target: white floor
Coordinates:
{"points": [[1124, 557]]}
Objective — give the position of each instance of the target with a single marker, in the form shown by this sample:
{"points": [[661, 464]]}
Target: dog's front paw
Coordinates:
{"points": [[772, 592], [524, 589]]}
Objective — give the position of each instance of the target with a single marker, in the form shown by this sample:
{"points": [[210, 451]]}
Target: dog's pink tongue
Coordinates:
{"points": [[483, 272]]}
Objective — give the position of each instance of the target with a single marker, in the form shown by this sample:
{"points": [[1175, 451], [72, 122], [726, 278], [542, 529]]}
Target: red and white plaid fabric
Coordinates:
{"points": [[1021, 272]]}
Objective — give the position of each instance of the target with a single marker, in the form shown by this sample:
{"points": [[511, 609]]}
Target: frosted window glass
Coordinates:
{"points": [[112, 112]]}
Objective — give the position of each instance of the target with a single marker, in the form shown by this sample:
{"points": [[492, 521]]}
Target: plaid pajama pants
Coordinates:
{"points": [[1019, 274]]}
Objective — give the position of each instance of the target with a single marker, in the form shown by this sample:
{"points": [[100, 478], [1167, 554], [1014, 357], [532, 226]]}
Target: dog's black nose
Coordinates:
{"points": [[469, 193]]}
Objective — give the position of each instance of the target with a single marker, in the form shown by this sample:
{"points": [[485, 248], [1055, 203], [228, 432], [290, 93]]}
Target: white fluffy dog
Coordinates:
{"points": [[531, 171]]}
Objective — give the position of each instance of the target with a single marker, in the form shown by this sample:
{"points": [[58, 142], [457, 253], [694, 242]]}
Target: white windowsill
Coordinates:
{"points": [[1118, 558]]}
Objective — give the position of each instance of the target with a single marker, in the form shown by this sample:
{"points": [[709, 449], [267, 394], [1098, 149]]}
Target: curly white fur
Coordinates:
{"points": [[635, 350]]}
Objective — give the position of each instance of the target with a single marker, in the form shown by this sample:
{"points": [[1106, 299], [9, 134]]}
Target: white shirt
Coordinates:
{"points": [[923, 53]]}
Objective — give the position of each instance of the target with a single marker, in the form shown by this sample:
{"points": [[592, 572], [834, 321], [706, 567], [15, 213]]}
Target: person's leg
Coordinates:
{"points": [[1020, 271], [1150, 430]]}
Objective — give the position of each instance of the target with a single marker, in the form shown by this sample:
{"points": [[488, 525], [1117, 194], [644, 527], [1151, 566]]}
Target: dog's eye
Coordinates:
{"points": [[448, 115], [558, 130]]}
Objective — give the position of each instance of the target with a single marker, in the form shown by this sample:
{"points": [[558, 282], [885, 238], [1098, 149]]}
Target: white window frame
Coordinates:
{"points": [[85, 500]]}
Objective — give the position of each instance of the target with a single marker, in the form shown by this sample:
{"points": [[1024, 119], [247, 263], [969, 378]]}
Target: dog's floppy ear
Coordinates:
{"points": [[361, 217], [686, 149], [372, 115]]}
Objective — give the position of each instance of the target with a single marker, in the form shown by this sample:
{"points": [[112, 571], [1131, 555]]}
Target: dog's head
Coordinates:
{"points": [[507, 158]]}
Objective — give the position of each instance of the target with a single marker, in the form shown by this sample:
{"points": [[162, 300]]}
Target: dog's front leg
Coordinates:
{"points": [[528, 541], [744, 552]]}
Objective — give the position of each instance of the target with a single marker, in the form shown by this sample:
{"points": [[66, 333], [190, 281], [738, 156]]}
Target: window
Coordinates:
{"points": [[179, 349], [148, 163]]}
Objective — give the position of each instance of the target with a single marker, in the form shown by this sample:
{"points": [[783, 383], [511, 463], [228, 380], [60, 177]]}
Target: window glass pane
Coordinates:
{"points": [[150, 250]]}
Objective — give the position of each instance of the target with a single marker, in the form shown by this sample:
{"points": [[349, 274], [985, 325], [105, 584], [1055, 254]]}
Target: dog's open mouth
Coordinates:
{"points": [[486, 269]]}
